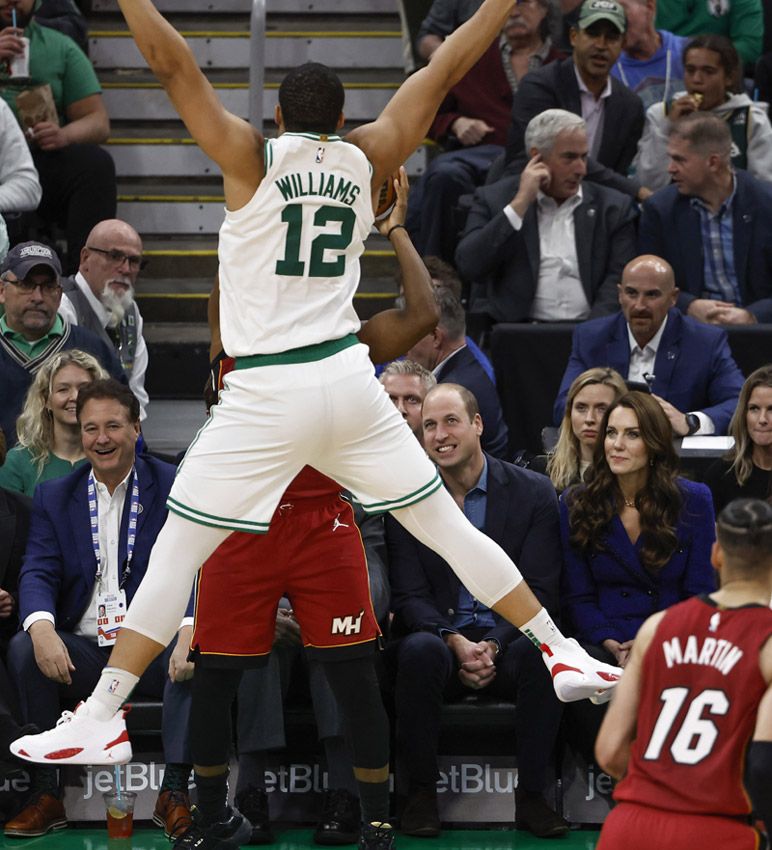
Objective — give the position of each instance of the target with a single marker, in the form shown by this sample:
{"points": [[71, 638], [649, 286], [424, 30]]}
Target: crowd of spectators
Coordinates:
{"points": [[606, 163]]}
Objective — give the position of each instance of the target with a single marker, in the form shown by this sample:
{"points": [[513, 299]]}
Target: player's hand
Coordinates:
{"points": [[50, 652], [536, 175], [728, 314], [480, 671], [7, 603], [399, 211], [287, 629], [48, 136], [10, 43], [684, 105], [677, 419], [470, 131], [180, 669]]}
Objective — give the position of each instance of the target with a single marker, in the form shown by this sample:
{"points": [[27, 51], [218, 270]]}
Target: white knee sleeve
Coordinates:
{"points": [[158, 606], [483, 567]]}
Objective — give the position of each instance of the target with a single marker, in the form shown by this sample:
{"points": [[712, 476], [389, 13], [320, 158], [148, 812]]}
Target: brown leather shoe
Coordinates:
{"points": [[42, 814], [172, 813]]}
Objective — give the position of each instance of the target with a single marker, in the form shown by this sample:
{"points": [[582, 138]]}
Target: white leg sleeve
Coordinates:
{"points": [[158, 606], [482, 565]]}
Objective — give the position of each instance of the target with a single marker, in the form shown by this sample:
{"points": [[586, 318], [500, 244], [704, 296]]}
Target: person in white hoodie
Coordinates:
{"points": [[711, 75]]}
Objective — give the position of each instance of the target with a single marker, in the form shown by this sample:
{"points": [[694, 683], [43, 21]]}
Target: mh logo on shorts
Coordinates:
{"points": [[348, 625]]}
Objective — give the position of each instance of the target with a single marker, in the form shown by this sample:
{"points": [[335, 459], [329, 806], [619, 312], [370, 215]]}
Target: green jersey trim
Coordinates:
{"points": [[305, 354]]}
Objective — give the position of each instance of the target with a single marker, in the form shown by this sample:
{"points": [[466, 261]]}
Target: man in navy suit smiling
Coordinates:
{"points": [[687, 364]]}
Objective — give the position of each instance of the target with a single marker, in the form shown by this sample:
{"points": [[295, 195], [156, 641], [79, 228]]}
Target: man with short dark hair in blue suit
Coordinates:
{"points": [[446, 643], [687, 365], [90, 538]]}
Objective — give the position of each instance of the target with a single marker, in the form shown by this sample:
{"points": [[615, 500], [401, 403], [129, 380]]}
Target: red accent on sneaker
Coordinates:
{"points": [[122, 738], [23, 753], [562, 668], [63, 754], [546, 650], [609, 677]]}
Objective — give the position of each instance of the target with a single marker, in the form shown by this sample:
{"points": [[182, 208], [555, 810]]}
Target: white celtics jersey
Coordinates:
{"points": [[289, 259]]}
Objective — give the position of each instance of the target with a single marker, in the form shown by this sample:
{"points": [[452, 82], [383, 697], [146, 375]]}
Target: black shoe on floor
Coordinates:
{"points": [[227, 834], [376, 836], [339, 821], [420, 816], [253, 804], [533, 813]]}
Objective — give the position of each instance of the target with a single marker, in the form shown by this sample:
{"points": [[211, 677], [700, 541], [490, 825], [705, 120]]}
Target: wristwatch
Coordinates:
{"points": [[692, 423]]}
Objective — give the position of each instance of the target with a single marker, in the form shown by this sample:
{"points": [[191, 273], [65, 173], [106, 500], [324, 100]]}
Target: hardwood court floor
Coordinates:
{"points": [[300, 839]]}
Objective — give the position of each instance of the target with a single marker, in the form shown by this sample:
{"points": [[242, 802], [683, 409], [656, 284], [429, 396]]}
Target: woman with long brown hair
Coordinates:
{"points": [[746, 471], [636, 537]]}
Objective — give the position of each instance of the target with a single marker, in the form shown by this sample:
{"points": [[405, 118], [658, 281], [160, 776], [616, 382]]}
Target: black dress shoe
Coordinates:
{"points": [[340, 819], [253, 804], [420, 816], [533, 813]]}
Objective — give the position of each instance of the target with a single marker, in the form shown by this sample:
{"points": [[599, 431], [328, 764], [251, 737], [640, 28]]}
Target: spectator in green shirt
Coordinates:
{"points": [[49, 434], [77, 176], [740, 20]]}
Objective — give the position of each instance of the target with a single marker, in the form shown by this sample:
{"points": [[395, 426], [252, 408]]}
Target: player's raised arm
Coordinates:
{"points": [[391, 333], [402, 126], [231, 142], [617, 732]]}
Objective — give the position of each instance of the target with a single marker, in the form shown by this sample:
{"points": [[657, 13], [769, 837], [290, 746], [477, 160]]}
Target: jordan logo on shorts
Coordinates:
{"points": [[336, 524]]}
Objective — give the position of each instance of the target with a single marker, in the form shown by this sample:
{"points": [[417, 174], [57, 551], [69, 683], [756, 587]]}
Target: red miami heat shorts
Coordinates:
{"points": [[634, 827], [313, 554]]}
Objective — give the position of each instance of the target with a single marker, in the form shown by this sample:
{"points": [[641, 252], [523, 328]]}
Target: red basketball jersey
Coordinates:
{"points": [[700, 691]]}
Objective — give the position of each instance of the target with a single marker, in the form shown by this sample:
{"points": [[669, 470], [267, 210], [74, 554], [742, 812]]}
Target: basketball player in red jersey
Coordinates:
{"points": [[694, 703]]}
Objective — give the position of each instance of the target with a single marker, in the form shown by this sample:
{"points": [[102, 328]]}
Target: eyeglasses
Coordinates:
{"points": [[119, 258], [50, 287]]}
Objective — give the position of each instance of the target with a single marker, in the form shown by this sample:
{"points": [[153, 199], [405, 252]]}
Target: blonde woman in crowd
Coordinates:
{"points": [[589, 397], [49, 434], [746, 471]]}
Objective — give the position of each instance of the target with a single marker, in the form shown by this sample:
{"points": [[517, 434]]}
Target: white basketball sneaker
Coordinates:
{"points": [[78, 738], [576, 675]]}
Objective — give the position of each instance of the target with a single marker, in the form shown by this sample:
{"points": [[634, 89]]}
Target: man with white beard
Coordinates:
{"points": [[100, 297]]}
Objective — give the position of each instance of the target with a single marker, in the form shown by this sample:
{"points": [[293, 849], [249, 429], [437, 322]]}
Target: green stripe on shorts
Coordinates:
{"points": [[305, 354], [405, 502], [201, 518]]}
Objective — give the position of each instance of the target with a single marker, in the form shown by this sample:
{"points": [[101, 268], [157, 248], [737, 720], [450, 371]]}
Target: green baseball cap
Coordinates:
{"points": [[602, 10]]}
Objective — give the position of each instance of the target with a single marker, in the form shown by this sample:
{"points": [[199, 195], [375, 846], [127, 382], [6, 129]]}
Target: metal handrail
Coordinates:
{"points": [[256, 62]]}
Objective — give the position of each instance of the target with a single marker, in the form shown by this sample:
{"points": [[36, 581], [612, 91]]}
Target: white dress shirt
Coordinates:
{"points": [[137, 379], [642, 363], [593, 112], [559, 295]]}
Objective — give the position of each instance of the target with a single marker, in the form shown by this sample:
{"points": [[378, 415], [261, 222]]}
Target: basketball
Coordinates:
{"points": [[386, 199]]}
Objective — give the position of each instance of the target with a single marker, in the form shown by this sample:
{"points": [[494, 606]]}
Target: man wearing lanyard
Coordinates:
{"points": [[90, 539]]}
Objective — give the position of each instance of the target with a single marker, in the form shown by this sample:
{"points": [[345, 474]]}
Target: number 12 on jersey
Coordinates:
{"points": [[315, 265]]}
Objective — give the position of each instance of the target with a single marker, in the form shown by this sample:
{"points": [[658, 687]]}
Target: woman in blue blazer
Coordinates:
{"points": [[636, 537]]}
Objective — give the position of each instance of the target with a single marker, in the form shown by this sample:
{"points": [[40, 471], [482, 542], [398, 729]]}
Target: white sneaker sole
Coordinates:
{"points": [[119, 753]]}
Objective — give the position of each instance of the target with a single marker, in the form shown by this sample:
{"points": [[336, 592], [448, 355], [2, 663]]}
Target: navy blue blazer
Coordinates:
{"points": [[608, 594], [59, 566], [465, 369], [521, 516], [670, 228], [694, 369]]}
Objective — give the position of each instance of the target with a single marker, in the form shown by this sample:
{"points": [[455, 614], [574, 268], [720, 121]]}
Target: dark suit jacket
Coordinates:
{"points": [[670, 228], [508, 260], [521, 517], [59, 564], [554, 86], [463, 368], [14, 528], [694, 369], [609, 593]]}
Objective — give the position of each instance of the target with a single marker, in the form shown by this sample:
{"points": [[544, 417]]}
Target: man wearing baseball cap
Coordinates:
{"points": [[31, 331], [583, 85]]}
